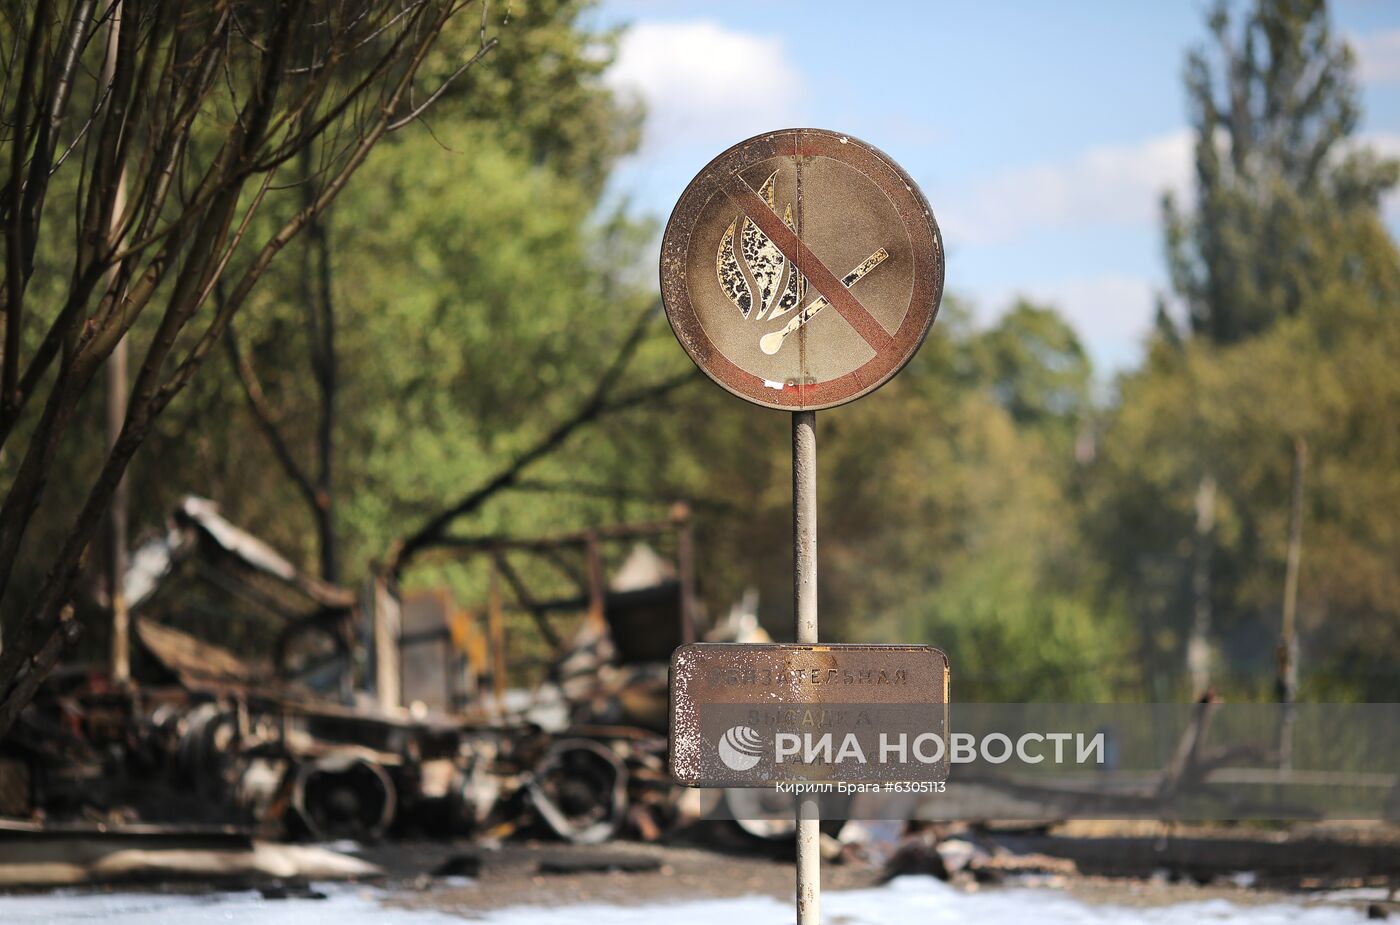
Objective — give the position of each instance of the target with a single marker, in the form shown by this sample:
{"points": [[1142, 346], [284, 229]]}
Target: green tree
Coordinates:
{"points": [[466, 290], [1274, 109], [1037, 369], [945, 518], [178, 116], [1283, 260]]}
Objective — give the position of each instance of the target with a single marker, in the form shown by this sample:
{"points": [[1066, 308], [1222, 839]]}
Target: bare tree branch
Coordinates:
{"points": [[265, 417], [600, 402], [15, 236], [166, 119], [442, 88], [619, 492], [37, 668]]}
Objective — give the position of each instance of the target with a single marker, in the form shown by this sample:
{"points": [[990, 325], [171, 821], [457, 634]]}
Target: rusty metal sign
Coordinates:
{"points": [[762, 715], [801, 269]]}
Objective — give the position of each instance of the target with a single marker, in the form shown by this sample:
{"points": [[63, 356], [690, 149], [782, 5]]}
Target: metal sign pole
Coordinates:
{"points": [[737, 280], [804, 596]]}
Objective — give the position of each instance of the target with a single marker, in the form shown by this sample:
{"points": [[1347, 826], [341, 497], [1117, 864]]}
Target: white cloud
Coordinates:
{"points": [[702, 81], [1386, 144], [1112, 313], [1378, 56], [1109, 185]]}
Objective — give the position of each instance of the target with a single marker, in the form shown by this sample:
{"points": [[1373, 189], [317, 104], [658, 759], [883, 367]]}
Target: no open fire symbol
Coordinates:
{"points": [[801, 269], [765, 273]]}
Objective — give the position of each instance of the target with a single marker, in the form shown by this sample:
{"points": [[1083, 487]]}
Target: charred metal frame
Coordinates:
{"points": [[578, 557]]}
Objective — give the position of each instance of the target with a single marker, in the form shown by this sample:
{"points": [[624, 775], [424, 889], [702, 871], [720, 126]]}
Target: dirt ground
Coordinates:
{"points": [[554, 875], [717, 861], [551, 874]]}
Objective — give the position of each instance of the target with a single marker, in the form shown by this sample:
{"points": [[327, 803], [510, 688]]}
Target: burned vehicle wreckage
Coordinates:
{"points": [[374, 713]]}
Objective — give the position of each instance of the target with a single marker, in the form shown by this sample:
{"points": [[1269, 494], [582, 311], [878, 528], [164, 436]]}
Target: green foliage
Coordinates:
{"points": [[474, 295], [944, 518], [487, 312], [1273, 109], [1327, 378], [982, 501], [1037, 368], [542, 95], [472, 316], [1014, 640], [1289, 280]]}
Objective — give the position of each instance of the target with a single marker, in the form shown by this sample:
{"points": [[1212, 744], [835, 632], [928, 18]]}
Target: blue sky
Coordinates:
{"points": [[1042, 133]]}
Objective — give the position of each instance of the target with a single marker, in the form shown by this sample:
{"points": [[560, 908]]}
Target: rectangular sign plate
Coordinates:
{"points": [[746, 715]]}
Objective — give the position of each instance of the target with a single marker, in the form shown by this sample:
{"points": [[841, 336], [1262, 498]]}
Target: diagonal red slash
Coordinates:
{"points": [[818, 275]]}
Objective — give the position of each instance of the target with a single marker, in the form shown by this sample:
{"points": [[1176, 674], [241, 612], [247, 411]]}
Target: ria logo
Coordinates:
{"points": [[740, 748]]}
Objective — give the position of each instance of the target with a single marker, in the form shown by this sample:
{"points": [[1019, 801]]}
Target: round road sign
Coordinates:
{"points": [[801, 269]]}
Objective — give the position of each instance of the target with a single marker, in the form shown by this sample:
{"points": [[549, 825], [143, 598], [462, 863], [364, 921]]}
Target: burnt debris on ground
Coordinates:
{"points": [[373, 714], [376, 717]]}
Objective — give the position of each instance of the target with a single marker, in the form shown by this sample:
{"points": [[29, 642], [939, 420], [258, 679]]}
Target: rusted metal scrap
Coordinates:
{"points": [[306, 738], [579, 789]]}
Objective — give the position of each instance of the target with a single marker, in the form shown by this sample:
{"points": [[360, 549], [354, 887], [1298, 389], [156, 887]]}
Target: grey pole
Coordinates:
{"points": [[804, 597]]}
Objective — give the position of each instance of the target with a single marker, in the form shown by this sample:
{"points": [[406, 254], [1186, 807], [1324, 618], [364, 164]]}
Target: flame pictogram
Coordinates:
{"points": [[780, 286], [772, 286]]}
